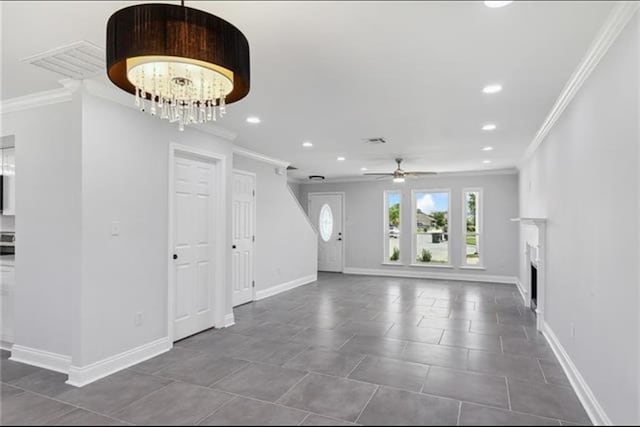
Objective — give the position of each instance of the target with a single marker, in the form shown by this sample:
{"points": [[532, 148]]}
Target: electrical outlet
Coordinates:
{"points": [[115, 228], [138, 319]]}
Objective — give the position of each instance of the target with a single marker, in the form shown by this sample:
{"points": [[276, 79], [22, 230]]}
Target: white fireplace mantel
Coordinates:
{"points": [[530, 221], [539, 261]]}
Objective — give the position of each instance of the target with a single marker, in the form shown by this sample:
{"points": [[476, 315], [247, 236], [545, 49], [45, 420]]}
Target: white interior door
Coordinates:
{"points": [[326, 212], [194, 246], [243, 236]]}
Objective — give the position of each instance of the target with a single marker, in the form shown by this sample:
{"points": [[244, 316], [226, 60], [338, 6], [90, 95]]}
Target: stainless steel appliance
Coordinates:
{"points": [[7, 243]]}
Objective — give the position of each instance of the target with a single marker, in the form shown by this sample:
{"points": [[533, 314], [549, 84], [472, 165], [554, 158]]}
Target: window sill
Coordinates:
{"points": [[396, 264], [446, 266], [472, 267]]}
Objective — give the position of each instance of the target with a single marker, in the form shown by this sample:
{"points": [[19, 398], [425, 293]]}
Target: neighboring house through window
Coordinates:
{"points": [[430, 227]]}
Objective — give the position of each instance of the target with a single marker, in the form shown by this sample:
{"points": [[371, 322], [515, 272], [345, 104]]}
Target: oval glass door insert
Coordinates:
{"points": [[325, 222]]}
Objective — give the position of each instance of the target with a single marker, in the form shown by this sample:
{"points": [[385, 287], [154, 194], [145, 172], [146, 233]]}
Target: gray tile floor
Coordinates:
{"points": [[346, 349]]}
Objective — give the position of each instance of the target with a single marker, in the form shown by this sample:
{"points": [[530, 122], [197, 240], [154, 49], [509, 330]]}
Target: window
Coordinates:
{"points": [[472, 206], [325, 222], [431, 227], [392, 218]]}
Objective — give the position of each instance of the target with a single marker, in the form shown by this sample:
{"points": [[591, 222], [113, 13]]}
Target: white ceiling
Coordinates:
{"points": [[334, 73]]}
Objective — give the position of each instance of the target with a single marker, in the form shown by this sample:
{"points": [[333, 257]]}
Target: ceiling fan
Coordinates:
{"points": [[399, 174]]}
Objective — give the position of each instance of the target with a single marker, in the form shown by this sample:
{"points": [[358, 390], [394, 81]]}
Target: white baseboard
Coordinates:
{"points": [[40, 358], [6, 345], [80, 376], [523, 293], [428, 274], [275, 290], [229, 320], [595, 411]]}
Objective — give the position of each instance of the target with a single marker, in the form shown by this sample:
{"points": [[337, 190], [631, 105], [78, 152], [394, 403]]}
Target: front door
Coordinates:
{"points": [[243, 236], [193, 239], [326, 212]]}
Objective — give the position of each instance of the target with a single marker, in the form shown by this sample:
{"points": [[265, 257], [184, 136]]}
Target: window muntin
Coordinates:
{"points": [[392, 226], [431, 210], [325, 222]]}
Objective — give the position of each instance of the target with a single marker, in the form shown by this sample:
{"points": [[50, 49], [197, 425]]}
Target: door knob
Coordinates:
{"points": [[233, 247], [175, 256]]}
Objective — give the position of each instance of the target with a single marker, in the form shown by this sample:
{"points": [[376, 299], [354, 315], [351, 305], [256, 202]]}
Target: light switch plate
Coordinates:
{"points": [[115, 228]]}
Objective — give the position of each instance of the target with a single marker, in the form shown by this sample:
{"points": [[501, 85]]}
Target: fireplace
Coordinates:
{"points": [[533, 279], [534, 287]]}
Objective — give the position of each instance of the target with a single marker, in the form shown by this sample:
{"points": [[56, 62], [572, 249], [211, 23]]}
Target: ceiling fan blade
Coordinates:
{"points": [[420, 173], [379, 174]]}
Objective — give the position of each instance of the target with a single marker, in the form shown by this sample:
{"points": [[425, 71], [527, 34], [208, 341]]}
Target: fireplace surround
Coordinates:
{"points": [[532, 281]]}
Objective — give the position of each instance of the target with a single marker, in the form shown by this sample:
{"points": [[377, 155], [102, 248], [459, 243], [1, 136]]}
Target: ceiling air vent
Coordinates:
{"points": [[375, 140], [78, 60]]}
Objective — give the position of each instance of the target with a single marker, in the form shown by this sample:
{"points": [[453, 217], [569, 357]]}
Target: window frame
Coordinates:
{"points": [[414, 234], [385, 228], [480, 235]]}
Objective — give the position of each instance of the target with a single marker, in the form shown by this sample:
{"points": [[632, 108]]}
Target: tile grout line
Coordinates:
{"points": [[367, 404], [506, 380], [426, 378], [357, 365], [73, 406], [304, 419], [542, 370], [232, 399], [292, 387], [459, 413], [240, 396]]}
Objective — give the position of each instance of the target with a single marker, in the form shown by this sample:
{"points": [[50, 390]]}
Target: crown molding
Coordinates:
{"points": [[94, 88], [35, 100], [244, 152], [613, 26], [118, 96], [356, 179]]}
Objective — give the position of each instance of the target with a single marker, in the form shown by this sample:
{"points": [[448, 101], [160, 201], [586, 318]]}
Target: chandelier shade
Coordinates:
{"points": [[181, 63]]}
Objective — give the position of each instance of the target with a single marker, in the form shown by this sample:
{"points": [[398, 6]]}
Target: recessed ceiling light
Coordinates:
{"points": [[253, 120], [307, 144], [341, 159], [490, 89], [486, 162], [489, 126], [364, 169], [496, 4], [487, 148]]}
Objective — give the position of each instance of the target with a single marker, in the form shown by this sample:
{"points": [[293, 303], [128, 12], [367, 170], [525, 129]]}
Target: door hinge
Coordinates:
{"points": [[254, 193], [253, 238], [253, 283]]}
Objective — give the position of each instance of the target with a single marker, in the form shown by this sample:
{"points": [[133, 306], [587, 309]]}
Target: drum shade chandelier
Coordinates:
{"points": [[182, 64]]}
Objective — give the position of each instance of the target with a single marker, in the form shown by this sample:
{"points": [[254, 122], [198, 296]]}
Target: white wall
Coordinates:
{"points": [[89, 162], [286, 244], [7, 223], [125, 178], [363, 233], [48, 223], [584, 179], [296, 189]]}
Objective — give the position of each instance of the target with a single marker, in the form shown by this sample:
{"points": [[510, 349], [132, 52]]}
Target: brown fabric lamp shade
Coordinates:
{"points": [[150, 42]]}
